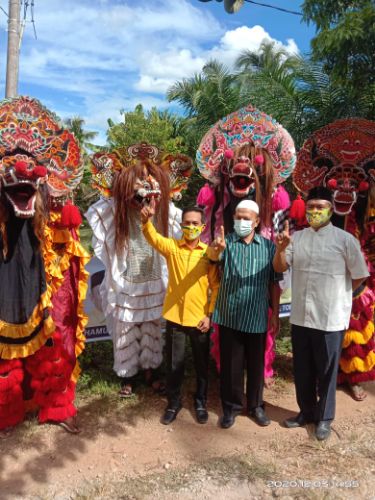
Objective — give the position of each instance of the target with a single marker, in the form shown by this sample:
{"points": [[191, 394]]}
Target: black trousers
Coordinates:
{"points": [[316, 356], [175, 346], [236, 348]]}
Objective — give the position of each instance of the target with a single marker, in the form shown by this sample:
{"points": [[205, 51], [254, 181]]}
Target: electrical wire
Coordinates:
{"points": [[275, 7], [3, 10], [32, 18]]}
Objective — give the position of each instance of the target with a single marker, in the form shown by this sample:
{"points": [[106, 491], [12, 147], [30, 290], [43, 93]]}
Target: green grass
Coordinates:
{"points": [[86, 235], [98, 377]]}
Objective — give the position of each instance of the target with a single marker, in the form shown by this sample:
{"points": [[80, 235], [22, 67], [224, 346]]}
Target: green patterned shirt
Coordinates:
{"points": [[243, 299]]}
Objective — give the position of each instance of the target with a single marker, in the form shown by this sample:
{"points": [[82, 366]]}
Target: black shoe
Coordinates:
{"points": [[258, 414], [170, 414], [227, 420], [298, 421], [323, 430], [201, 414]]}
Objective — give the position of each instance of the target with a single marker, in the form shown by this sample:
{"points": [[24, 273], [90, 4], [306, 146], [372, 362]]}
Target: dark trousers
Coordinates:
{"points": [[236, 348], [316, 356], [175, 347]]}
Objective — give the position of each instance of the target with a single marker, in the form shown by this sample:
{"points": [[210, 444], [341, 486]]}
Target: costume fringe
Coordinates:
{"points": [[12, 408], [56, 263], [54, 390], [359, 337], [357, 364], [356, 378]]}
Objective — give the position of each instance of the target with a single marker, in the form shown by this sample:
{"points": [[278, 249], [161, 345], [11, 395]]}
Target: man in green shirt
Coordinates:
{"points": [[248, 286]]}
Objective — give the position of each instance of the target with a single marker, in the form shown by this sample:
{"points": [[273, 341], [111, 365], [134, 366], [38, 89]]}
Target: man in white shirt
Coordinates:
{"points": [[327, 265]]}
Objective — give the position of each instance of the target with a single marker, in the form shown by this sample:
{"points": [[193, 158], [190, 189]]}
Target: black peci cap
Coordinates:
{"points": [[319, 193]]}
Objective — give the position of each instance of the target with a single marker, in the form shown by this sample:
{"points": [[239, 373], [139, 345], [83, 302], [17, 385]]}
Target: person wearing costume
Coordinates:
{"points": [[327, 264], [341, 157], [248, 283], [42, 276], [192, 289], [135, 279], [246, 155]]}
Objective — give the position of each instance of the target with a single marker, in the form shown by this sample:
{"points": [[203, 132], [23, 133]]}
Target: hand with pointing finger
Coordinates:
{"points": [[217, 246], [219, 242], [283, 239], [148, 211]]}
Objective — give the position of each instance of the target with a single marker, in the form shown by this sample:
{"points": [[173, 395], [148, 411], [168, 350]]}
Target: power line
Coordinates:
{"points": [[234, 5], [275, 7], [32, 18]]}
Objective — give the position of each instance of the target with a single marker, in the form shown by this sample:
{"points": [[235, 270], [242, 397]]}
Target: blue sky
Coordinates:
{"points": [[95, 57]]}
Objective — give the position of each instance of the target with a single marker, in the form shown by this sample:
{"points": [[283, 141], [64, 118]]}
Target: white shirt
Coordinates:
{"points": [[323, 263]]}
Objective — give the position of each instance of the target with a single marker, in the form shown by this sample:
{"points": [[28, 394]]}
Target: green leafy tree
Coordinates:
{"points": [[84, 194], [345, 40], [206, 98], [155, 127], [84, 137], [296, 91], [167, 131]]}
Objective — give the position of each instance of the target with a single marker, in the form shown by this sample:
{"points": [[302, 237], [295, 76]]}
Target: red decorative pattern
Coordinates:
{"points": [[341, 156]]}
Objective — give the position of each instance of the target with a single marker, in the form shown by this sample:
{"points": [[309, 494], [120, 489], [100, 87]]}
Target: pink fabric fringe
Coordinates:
{"points": [[280, 199]]}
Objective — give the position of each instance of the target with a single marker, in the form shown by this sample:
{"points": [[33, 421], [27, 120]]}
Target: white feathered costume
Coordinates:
{"points": [[136, 278], [133, 289]]}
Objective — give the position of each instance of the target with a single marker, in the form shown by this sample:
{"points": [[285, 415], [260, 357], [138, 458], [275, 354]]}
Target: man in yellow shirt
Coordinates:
{"points": [[190, 300]]}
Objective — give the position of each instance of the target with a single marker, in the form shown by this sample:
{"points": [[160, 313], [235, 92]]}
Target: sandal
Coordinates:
{"points": [[126, 391], [153, 381], [269, 382], [357, 392], [5, 433], [69, 425]]}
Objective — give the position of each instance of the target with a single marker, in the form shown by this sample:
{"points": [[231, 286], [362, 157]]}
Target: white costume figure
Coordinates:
{"points": [[136, 275]]}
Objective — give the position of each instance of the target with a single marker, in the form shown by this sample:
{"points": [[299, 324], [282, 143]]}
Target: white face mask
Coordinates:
{"points": [[243, 227]]}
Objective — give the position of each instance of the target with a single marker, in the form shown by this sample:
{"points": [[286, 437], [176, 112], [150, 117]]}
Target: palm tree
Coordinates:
{"points": [[84, 137], [84, 194], [206, 98], [295, 91]]}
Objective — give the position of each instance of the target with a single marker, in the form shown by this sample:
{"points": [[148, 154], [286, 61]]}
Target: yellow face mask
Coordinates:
{"points": [[192, 232], [317, 218]]}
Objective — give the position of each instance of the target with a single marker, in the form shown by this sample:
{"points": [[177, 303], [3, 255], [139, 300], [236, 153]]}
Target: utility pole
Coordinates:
{"points": [[11, 89]]}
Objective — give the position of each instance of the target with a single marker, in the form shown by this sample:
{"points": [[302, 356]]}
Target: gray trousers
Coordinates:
{"points": [[316, 356]]}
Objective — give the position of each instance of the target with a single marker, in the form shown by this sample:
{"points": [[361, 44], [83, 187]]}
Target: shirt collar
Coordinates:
{"points": [[256, 238], [200, 246], [322, 230]]}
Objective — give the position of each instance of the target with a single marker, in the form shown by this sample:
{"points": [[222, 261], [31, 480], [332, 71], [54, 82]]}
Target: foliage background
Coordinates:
{"points": [[302, 92]]}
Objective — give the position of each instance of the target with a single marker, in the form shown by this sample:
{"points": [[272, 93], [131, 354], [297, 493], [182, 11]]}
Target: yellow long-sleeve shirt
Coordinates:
{"points": [[193, 282]]}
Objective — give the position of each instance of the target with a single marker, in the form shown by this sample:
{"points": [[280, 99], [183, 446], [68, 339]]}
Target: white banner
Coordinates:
{"points": [[96, 328]]}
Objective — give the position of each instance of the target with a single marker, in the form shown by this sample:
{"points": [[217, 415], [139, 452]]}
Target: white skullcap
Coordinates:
{"points": [[250, 205]]}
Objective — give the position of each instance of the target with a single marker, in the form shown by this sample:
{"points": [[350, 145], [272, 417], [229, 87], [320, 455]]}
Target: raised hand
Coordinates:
{"points": [[218, 244], [283, 239], [148, 211]]}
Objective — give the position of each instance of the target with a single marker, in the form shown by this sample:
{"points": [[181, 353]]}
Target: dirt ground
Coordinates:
{"points": [[123, 452]]}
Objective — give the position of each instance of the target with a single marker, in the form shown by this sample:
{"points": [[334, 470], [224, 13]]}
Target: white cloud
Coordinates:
{"points": [[159, 70], [95, 57], [163, 69], [245, 38]]}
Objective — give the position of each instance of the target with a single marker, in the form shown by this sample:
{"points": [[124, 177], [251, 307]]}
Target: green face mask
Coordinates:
{"points": [[317, 218]]}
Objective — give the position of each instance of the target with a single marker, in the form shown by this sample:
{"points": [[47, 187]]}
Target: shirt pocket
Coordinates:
{"points": [[332, 262]]}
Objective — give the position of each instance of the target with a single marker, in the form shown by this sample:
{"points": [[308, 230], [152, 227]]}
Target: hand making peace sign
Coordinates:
{"points": [[283, 239]]}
